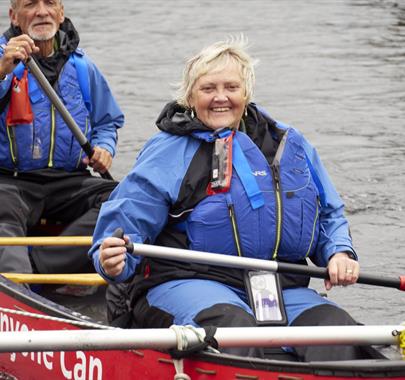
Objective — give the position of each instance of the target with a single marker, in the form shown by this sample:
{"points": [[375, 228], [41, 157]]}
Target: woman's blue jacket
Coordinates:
{"points": [[299, 213]]}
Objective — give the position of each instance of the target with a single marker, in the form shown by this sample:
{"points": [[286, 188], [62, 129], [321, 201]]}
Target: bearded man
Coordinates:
{"points": [[43, 170]]}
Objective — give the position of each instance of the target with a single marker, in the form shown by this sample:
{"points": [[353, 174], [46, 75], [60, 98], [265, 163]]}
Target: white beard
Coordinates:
{"points": [[42, 36]]}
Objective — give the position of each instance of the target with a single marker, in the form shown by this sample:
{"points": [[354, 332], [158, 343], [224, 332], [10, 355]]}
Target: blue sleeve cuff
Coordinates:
{"points": [[341, 248], [347, 249], [110, 147], [128, 271]]}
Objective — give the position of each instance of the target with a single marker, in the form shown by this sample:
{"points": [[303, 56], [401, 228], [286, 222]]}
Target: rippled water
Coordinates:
{"points": [[332, 68]]}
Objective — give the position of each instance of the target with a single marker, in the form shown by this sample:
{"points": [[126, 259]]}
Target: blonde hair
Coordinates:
{"points": [[215, 58]]}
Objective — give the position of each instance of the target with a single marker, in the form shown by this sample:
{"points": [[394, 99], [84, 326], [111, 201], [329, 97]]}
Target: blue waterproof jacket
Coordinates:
{"points": [[48, 141], [293, 212]]}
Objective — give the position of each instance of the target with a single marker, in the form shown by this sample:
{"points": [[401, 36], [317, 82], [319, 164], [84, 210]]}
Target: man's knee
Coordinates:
{"points": [[14, 209], [102, 190]]}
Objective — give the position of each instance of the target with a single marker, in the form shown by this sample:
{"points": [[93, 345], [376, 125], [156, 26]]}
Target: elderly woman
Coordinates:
{"points": [[223, 177]]}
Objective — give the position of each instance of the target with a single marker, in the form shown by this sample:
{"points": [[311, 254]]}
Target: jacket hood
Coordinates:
{"points": [[177, 120], [260, 127]]}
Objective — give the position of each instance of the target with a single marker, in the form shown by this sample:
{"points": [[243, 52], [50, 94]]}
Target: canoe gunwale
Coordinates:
{"points": [[36, 301]]}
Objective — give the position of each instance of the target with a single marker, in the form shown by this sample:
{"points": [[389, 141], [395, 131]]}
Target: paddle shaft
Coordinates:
{"points": [[54, 98], [207, 258], [124, 339], [254, 264], [66, 279], [73, 241], [364, 278]]}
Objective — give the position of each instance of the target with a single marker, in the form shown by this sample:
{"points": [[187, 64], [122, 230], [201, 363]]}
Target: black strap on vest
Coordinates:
{"points": [[209, 340]]}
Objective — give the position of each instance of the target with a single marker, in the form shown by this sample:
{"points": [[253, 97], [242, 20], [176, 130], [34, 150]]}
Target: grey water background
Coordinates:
{"points": [[332, 68]]}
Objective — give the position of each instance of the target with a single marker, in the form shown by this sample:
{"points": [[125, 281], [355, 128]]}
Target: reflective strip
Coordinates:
{"points": [[235, 229], [313, 229], [278, 221], [11, 140], [52, 146], [181, 214]]}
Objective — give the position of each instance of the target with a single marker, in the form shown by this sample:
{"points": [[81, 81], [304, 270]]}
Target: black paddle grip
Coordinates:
{"points": [[119, 233], [87, 148]]}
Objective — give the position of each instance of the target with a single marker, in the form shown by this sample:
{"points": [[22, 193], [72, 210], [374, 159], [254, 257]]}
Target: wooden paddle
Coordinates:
{"points": [[69, 279], [126, 339], [46, 241], [66, 279]]}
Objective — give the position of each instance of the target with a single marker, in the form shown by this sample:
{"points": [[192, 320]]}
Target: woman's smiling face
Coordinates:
{"points": [[218, 97]]}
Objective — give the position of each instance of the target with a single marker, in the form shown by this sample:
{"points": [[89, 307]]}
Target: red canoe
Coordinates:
{"points": [[23, 310]]}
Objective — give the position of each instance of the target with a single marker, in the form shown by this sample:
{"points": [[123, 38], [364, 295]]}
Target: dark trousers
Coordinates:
{"points": [[71, 198], [329, 315], [146, 316], [143, 315]]}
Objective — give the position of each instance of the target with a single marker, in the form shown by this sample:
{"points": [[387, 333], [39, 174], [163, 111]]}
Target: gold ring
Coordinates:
{"points": [[17, 48], [349, 271]]}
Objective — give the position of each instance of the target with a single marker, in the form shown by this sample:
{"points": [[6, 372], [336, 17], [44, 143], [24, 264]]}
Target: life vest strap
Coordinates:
{"points": [[246, 176]]}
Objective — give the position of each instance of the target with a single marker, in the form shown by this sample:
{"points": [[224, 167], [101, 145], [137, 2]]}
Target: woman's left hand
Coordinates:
{"points": [[342, 270]]}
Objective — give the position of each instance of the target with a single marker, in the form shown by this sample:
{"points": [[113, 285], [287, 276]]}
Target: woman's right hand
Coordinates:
{"points": [[113, 255]]}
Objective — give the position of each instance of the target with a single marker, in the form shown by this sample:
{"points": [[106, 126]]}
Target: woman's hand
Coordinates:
{"points": [[342, 270], [113, 255]]}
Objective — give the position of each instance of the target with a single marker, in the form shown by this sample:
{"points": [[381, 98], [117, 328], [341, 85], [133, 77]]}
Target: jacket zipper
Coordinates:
{"points": [[234, 225], [13, 145], [313, 228], [52, 145], [277, 192]]}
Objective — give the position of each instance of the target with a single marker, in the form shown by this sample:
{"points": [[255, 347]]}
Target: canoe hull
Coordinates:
{"points": [[146, 364]]}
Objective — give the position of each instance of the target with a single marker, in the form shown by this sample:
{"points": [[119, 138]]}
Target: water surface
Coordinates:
{"points": [[333, 69]]}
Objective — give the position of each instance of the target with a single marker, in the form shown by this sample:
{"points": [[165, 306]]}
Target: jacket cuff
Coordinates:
{"points": [[349, 250]]}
